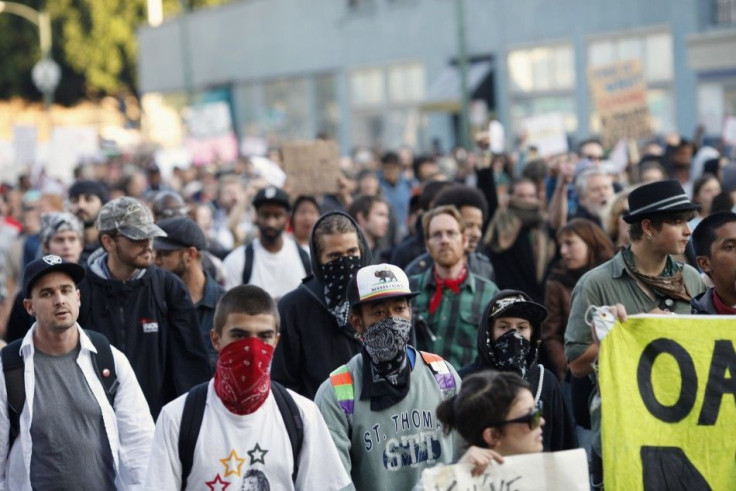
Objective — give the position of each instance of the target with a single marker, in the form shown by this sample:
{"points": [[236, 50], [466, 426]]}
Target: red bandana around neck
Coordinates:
{"points": [[721, 307], [452, 284], [242, 376]]}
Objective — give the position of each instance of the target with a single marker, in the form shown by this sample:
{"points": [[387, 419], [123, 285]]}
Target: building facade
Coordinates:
{"points": [[385, 72]]}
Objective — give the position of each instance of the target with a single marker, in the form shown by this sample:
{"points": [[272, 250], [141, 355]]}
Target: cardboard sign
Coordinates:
{"points": [[547, 133], [620, 94], [566, 470], [312, 167], [668, 403]]}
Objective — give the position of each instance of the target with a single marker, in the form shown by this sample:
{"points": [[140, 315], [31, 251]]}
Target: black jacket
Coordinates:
{"points": [[152, 320], [559, 429], [312, 344], [703, 303]]}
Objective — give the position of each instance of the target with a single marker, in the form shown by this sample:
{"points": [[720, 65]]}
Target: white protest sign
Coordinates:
{"points": [[547, 133], [566, 470], [729, 130], [498, 139]]}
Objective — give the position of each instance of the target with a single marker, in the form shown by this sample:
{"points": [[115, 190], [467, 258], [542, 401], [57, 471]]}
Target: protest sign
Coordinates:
{"points": [[312, 167], [547, 133], [210, 135], [619, 91], [566, 470], [729, 130], [668, 388]]}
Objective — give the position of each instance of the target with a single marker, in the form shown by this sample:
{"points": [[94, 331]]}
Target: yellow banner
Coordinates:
{"points": [[668, 391]]}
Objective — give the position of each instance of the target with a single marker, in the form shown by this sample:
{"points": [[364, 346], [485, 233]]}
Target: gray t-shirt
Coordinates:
{"points": [[70, 446]]}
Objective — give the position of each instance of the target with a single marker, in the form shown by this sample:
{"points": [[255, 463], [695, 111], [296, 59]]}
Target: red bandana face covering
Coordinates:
{"points": [[242, 376]]}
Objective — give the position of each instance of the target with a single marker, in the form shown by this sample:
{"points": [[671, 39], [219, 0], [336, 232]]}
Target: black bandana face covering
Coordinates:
{"points": [[511, 352], [385, 342], [337, 274]]}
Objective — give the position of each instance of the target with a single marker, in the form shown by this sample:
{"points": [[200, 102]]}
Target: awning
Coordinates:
{"points": [[444, 93]]}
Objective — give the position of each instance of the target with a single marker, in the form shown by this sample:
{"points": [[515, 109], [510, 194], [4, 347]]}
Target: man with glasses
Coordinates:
{"points": [[447, 310], [144, 311]]}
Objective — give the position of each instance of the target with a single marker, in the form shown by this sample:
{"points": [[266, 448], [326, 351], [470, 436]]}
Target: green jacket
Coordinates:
{"points": [[454, 325], [388, 449], [609, 284]]}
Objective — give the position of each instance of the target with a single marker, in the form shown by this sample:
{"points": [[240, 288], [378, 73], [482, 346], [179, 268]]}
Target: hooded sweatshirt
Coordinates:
{"points": [[312, 344], [559, 428]]}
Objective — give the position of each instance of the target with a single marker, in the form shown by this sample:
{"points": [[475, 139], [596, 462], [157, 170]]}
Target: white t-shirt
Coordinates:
{"points": [[233, 451], [277, 273]]}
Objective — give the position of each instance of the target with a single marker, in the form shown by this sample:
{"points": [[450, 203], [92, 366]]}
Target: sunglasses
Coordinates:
{"points": [[532, 419]]}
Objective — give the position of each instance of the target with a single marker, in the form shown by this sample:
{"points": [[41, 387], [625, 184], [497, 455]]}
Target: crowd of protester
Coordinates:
{"points": [[488, 261]]}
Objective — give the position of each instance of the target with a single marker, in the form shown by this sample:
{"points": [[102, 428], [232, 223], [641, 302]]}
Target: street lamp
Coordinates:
{"points": [[46, 73]]}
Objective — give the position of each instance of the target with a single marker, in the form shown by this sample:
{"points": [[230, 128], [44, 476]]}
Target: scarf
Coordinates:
{"points": [[386, 370], [243, 375], [452, 284], [721, 307], [336, 275], [670, 283]]}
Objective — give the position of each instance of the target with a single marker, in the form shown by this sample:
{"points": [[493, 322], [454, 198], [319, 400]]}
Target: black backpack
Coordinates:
{"points": [[248, 268], [13, 366], [191, 422]]}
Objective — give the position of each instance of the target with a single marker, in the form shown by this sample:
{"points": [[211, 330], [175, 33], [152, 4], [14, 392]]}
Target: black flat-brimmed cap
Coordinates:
{"points": [[657, 197], [515, 303]]}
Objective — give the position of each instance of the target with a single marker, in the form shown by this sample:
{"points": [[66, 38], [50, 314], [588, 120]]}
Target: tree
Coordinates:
{"points": [[94, 41]]}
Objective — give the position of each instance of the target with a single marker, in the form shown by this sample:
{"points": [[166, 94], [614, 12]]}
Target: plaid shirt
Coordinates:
{"points": [[452, 330]]}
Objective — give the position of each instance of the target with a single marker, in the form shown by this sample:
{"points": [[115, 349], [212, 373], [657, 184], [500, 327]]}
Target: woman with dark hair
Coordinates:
{"points": [[304, 214], [583, 246], [495, 410], [705, 188], [496, 414], [508, 340]]}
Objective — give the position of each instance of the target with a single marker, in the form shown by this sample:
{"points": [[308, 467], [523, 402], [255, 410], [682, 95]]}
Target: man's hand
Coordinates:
{"points": [[480, 458], [604, 324]]}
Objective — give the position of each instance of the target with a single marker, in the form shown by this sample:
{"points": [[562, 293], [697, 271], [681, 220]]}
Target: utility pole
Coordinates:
{"points": [[462, 60]]}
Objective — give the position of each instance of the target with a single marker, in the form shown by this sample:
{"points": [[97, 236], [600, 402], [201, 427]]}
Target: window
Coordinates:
{"points": [[287, 108], [385, 105], [542, 81], [326, 107], [367, 87], [724, 12]]}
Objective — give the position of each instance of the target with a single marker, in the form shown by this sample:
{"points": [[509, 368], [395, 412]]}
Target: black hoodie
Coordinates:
{"points": [[559, 428], [312, 344]]}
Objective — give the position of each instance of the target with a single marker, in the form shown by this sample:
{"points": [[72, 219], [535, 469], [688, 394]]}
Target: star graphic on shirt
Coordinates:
{"points": [[257, 450], [217, 481], [232, 464]]}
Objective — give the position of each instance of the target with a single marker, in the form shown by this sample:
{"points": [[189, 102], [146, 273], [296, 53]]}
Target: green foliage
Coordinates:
{"points": [[94, 41]]}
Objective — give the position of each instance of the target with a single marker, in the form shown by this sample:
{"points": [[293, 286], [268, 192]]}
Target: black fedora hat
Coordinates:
{"points": [[657, 197]]}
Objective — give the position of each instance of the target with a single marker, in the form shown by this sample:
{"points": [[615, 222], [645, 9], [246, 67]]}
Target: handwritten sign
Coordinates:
{"points": [[566, 470], [620, 94], [547, 133], [312, 167]]}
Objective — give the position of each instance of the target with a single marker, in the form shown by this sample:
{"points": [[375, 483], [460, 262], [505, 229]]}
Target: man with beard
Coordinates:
{"points": [[519, 243], [237, 426], [273, 261], [316, 335], [473, 207], [594, 188], [450, 295], [381, 406], [181, 252], [144, 311], [86, 199]]}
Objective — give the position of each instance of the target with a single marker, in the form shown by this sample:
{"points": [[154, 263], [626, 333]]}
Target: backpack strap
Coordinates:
{"points": [[441, 372], [292, 421], [306, 261], [104, 364], [191, 422], [342, 382], [14, 385], [248, 266]]}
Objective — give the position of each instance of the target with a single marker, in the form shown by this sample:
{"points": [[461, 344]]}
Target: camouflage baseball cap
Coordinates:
{"points": [[130, 217]]}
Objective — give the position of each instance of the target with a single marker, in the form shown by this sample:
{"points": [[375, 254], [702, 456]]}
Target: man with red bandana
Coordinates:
{"points": [[243, 435]]}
